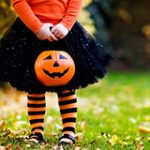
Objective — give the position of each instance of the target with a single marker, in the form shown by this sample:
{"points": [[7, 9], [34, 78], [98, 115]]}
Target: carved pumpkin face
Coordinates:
{"points": [[54, 68]]}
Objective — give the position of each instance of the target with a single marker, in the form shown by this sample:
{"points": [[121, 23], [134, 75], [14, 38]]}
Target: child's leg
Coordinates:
{"points": [[36, 111], [68, 110]]}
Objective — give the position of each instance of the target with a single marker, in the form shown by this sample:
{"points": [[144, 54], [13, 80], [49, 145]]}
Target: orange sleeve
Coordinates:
{"points": [[26, 14], [72, 13]]}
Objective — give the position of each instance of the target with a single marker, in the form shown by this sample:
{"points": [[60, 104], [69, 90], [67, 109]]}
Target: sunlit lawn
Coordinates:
{"points": [[113, 114]]}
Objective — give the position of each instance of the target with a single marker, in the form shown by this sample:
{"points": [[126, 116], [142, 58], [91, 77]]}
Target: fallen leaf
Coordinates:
{"points": [[79, 137], [146, 30], [77, 148], [140, 146], [138, 139], [114, 130], [128, 137], [18, 148], [9, 147], [144, 129], [114, 139], [83, 125], [148, 139], [2, 148], [6, 133], [1, 123]]}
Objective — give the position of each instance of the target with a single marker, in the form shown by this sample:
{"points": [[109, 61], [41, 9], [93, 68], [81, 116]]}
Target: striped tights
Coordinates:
{"points": [[68, 109]]}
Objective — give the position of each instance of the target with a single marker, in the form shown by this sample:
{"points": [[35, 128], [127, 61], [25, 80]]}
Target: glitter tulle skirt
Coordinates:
{"points": [[19, 49]]}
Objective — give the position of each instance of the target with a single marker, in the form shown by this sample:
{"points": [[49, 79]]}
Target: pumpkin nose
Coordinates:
{"points": [[56, 64]]}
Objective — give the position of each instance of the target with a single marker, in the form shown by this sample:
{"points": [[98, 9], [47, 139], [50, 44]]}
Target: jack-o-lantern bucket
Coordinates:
{"points": [[54, 68]]}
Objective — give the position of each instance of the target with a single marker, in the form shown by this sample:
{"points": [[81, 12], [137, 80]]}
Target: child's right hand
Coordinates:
{"points": [[45, 34]]}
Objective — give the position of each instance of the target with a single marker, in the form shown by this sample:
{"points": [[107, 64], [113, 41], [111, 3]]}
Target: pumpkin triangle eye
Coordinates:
{"points": [[48, 57], [62, 57]]}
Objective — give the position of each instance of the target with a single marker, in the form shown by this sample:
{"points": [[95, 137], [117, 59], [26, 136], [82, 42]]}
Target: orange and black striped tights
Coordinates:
{"points": [[68, 109]]}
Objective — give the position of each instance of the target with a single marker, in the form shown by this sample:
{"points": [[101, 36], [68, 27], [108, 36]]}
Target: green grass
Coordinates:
{"points": [[110, 116]]}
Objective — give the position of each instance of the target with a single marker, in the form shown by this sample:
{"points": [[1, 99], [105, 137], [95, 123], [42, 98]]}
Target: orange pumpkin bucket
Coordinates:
{"points": [[54, 68]]}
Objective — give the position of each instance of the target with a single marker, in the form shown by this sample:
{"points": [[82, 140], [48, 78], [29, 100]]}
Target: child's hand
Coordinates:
{"points": [[45, 33], [59, 31]]}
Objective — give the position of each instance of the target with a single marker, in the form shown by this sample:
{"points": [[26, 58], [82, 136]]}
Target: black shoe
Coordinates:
{"points": [[65, 144], [37, 138]]}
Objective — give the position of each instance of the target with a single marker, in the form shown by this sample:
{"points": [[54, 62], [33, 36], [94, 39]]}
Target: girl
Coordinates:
{"points": [[47, 25]]}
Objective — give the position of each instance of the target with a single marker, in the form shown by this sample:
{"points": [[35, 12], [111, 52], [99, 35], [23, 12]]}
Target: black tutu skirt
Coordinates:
{"points": [[19, 49]]}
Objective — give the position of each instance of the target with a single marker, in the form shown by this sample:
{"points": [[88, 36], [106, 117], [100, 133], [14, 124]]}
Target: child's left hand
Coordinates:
{"points": [[59, 31]]}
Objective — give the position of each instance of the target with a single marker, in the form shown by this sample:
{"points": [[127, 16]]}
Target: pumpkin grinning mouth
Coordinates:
{"points": [[55, 74]]}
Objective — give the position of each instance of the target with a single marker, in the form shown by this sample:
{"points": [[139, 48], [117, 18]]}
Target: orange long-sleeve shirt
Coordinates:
{"points": [[36, 12]]}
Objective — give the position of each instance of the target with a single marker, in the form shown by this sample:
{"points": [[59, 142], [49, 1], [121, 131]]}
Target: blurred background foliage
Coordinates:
{"points": [[7, 15], [122, 26]]}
